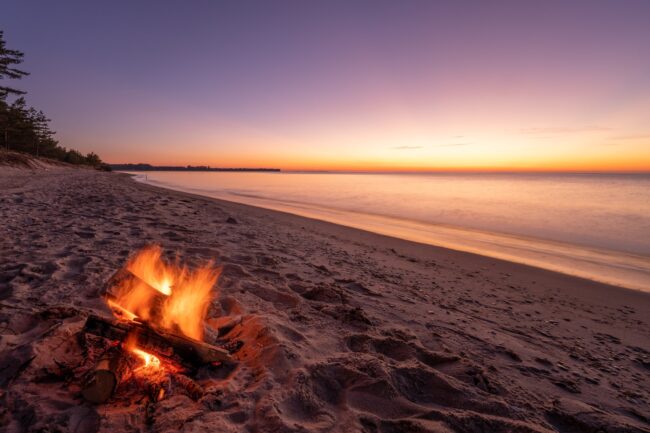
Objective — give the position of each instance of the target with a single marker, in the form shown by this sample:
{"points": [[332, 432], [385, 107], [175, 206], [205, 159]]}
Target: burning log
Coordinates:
{"points": [[148, 301], [192, 353], [110, 370]]}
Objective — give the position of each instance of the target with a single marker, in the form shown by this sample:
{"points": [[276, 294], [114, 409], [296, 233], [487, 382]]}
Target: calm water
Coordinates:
{"points": [[591, 225]]}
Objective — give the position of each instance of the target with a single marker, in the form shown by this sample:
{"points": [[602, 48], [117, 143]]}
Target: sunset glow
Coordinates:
{"points": [[365, 86]]}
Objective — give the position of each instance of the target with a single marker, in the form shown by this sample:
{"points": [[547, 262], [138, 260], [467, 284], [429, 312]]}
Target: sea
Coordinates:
{"points": [[590, 225]]}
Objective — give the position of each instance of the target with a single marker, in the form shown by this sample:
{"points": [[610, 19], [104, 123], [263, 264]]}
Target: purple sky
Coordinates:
{"points": [[351, 84]]}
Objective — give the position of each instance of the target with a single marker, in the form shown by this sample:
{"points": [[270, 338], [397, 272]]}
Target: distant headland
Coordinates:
{"points": [[149, 167]]}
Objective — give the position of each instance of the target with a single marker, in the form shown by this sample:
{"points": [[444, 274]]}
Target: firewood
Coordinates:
{"points": [[192, 353], [124, 280], [158, 389], [109, 372], [155, 391], [190, 387]]}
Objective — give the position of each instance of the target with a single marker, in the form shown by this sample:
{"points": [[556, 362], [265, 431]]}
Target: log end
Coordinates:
{"points": [[100, 387]]}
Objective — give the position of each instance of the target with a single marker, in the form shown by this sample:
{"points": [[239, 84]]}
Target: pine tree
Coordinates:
{"points": [[8, 59], [16, 124], [42, 132], [25, 129]]}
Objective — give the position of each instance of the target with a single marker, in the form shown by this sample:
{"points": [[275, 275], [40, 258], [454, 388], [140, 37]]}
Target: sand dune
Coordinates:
{"points": [[343, 330]]}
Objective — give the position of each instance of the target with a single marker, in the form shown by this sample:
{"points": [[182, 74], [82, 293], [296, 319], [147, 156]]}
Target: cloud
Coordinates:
{"points": [[632, 137], [407, 147], [563, 130], [625, 140], [451, 144], [435, 145]]}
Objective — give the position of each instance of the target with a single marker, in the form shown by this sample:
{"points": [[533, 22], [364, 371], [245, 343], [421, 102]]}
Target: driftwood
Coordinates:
{"points": [[192, 353], [110, 370]]}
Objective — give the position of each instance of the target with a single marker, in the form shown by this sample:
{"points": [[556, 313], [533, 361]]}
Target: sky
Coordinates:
{"points": [[349, 85]]}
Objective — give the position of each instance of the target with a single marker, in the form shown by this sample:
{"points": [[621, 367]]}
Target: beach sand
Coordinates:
{"points": [[343, 330]]}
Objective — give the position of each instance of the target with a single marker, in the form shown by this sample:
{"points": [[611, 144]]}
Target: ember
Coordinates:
{"points": [[160, 308]]}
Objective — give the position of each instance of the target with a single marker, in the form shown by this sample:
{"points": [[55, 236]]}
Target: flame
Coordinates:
{"points": [[151, 362], [121, 312], [149, 266], [151, 368], [187, 293]]}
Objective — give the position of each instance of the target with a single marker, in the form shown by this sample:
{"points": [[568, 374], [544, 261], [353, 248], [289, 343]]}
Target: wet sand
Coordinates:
{"points": [[343, 330]]}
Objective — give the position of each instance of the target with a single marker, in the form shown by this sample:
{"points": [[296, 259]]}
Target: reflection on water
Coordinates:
{"points": [[591, 225]]}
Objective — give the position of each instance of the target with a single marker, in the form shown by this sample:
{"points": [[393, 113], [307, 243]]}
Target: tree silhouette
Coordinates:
{"points": [[26, 129], [9, 58], [40, 126]]}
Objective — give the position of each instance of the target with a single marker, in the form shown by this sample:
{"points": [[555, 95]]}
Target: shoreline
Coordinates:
{"points": [[342, 329], [614, 268]]}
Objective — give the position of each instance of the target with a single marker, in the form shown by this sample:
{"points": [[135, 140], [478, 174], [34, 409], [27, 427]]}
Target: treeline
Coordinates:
{"points": [[25, 129], [149, 167]]}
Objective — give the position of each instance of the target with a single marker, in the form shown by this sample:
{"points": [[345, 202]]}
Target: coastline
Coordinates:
{"points": [[359, 329], [617, 268]]}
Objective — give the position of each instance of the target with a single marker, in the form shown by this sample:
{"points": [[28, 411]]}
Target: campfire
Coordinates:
{"points": [[155, 339]]}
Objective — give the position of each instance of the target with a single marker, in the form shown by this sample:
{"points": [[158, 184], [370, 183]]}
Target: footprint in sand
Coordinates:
{"points": [[85, 234]]}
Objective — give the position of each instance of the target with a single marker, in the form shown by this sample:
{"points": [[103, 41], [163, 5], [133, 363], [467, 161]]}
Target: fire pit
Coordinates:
{"points": [[155, 338]]}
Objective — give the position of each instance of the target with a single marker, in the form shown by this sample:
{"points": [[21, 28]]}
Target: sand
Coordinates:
{"points": [[343, 330]]}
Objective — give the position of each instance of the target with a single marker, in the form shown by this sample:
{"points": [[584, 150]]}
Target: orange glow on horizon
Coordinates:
{"points": [[635, 162], [407, 146]]}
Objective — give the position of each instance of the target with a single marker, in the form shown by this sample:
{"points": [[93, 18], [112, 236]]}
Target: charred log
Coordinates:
{"points": [[157, 390], [192, 353], [192, 389]]}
